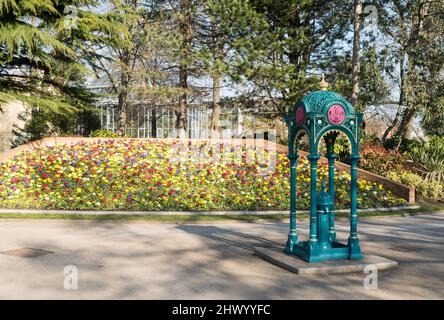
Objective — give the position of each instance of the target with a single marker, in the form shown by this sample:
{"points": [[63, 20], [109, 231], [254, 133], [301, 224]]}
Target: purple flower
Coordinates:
{"points": [[26, 182]]}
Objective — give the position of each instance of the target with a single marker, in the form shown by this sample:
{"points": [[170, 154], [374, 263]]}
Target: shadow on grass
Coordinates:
{"points": [[161, 218], [197, 217]]}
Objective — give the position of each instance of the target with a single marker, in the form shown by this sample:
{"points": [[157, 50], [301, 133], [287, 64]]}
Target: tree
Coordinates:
{"points": [[415, 30], [156, 81], [224, 25], [180, 21], [282, 59], [45, 50], [356, 51], [373, 88], [139, 73], [185, 19], [433, 119]]}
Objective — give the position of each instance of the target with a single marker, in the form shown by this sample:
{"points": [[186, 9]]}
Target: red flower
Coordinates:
{"points": [[225, 174], [44, 175]]}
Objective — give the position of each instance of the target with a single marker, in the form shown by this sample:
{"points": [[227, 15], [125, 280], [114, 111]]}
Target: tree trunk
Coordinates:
{"points": [[401, 101], [122, 111], [409, 126], [392, 125], [295, 51], [122, 106], [181, 111], [356, 52], [410, 110], [215, 114], [185, 31], [218, 55], [405, 125], [154, 122], [308, 27]]}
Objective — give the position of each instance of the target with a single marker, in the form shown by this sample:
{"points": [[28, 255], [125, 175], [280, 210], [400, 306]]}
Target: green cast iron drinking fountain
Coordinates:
{"points": [[323, 114]]}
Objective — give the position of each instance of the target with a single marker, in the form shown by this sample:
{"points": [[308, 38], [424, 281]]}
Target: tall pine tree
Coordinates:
{"points": [[223, 27], [282, 61], [46, 47]]}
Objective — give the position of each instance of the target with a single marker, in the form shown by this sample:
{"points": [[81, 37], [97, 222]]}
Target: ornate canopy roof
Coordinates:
{"points": [[317, 101], [322, 111]]}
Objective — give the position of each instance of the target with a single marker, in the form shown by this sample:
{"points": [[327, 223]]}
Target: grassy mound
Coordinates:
{"points": [[142, 175]]}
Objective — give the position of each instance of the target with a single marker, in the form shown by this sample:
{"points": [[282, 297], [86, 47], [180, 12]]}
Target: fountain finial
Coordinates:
{"points": [[323, 84]]}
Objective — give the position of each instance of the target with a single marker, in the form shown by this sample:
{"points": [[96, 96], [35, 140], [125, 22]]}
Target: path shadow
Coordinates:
{"points": [[230, 237]]}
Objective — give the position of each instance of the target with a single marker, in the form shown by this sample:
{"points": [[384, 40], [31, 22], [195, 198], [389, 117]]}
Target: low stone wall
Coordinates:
{"points": [[401, 190]]}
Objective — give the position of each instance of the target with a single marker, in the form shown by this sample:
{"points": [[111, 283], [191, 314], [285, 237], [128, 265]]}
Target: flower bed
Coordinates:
{"points": [[143, 175], [376, 159]]}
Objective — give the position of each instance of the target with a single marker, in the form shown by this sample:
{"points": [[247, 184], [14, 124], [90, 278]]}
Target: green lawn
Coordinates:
{"points": [[424, 208]]}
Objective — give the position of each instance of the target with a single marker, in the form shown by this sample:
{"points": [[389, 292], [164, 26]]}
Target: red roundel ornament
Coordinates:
{"points": [[300, 115], [336, 114]]}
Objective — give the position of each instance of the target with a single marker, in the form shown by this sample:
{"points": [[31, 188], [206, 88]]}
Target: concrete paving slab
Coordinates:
{"points": [[276, 256]]}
